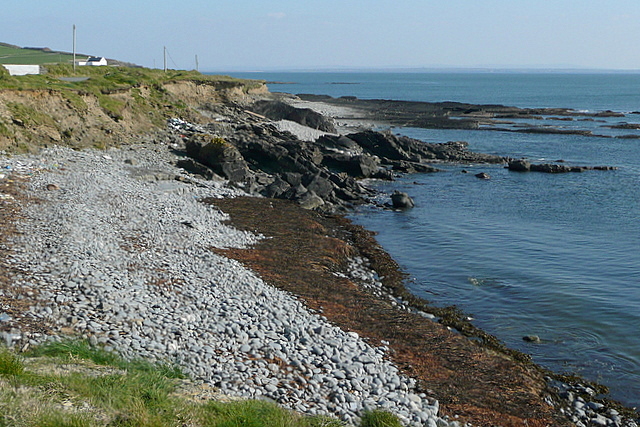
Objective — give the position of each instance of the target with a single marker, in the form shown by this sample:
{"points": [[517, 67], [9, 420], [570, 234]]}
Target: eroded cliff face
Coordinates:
{"points": [[30, 119]]}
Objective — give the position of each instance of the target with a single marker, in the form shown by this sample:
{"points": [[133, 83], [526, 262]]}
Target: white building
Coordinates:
{"points": [[22, 70], [95, 61]]}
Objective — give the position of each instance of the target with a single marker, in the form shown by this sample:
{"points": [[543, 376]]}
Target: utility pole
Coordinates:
{"points": [[74, 48], [165, 59], [197, 63]]}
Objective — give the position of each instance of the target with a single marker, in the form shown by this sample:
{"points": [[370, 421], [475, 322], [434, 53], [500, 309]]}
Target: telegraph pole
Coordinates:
{"points": [[74, 48], [165, 59]]}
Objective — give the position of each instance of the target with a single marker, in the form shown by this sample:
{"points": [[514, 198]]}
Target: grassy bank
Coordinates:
{"points": [[71, 383], [104, 106]]}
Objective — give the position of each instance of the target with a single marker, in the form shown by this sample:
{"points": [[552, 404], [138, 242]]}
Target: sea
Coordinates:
{"points": [[555, 256]]}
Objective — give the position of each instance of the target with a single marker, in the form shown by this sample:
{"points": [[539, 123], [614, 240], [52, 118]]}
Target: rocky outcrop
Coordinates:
{"points": [[277, 110], [458, 115], [324, 174], [522, 165], [223, 158]]}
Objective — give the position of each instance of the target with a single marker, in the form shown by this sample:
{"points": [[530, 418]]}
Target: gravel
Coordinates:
{"points": [[118, 249]]}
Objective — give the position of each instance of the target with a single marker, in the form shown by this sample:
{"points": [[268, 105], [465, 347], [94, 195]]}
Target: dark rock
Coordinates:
{"points": [[525, 166], [277, 188], [531, 338], [401, 200], [608, 113], [196, 168], [383, 145], [519, 165], [625, 126], [222, 157], [411, 167], [293, 178], [483, 175], [277, 110], [320, 185], [554, 168], [359, 166]]}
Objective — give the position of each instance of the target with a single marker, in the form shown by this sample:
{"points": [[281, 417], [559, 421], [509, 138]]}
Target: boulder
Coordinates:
{"points": [[381, 144], [320, 185], [310, 200], [277, 188], [196, 168], [519, 165], [401, 200], [277, 110], [483, 175], [358, 166], [222, 157]]}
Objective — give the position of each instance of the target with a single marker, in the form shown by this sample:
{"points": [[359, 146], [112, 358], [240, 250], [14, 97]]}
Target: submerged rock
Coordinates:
{"points": [[401, 200], [522, 165]]}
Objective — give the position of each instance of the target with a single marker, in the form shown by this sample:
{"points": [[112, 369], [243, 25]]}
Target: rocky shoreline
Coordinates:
{"points": [[116, 246], [457, 115]]}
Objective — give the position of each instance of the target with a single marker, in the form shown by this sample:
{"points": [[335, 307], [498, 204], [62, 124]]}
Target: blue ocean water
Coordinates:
{"points": [[556, 256]]}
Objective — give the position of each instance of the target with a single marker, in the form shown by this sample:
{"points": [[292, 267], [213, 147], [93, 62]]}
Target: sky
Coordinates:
{"points": [[280, 35]]}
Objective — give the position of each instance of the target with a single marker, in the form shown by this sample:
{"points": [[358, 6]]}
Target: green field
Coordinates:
{"points": [[23, 56]]}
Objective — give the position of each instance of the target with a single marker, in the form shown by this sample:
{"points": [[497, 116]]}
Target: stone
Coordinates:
{"points": [[221, 156], [401, 200], [277, 188], [310, 201], [320, 185], [519, 165], [277, 110], [483, 175]]}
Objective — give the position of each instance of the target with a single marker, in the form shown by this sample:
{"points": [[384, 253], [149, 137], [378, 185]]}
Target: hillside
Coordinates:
{"points": [[10, 54], [104, 106]]}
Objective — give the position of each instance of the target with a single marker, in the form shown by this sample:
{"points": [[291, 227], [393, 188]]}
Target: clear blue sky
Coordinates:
{"points": [[243, 35]]}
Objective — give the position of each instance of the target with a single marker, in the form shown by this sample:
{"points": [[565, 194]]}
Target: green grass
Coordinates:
{"points": [[21, 56], [379, 419], [10, 364], [72, 383]]}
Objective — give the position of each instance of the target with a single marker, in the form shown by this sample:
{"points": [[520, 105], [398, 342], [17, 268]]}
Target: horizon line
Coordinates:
{"points": [[487, 69]]}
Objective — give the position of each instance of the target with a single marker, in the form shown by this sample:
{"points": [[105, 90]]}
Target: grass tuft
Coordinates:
{"points": [[379, 418], [10, 364]]}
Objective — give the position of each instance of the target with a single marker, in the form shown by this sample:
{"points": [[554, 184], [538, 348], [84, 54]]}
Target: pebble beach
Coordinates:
{"points": [[117, 250]]}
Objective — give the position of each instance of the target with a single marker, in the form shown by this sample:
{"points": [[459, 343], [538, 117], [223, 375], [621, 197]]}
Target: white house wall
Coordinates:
{"points": [[22, 70]]}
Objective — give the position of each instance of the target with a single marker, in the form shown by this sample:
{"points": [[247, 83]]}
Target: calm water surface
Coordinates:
{"points": [[526, 254]]}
